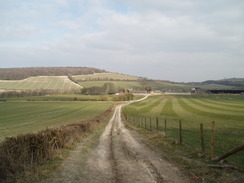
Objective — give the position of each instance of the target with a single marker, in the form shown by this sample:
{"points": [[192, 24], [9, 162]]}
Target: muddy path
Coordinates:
{"points": [[119, 157]]}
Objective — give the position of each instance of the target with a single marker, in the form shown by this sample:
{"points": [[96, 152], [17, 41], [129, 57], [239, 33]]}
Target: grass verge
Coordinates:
{"points": [[188, 160]]}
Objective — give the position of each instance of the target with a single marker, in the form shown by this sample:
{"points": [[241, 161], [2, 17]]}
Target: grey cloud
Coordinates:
{"points": [[174, 40]]}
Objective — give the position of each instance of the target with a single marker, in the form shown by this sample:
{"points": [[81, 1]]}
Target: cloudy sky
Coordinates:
{"points": [[177, 40]]}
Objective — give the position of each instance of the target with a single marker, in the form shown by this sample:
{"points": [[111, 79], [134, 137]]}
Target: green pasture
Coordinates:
{"points": [[18, 117], [162, 85], [61, 97], [120, 84], [136, 85], [105, 76], [226, 110], [40, 82]]}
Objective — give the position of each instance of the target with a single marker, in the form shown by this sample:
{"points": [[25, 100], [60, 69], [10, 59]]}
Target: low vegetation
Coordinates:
{"points": [[186, 158], [226, 110], [21, 116], [33, 99], [23, 154]]}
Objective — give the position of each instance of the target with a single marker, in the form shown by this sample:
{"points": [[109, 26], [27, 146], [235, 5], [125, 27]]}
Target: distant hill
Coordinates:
{"points": [[234, 82], [23, 73], [92, 77], [61, 83], [106, 76], [223, 84]]}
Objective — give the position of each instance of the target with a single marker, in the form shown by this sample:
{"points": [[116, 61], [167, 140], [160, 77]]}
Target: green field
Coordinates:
{"points": [[162, 85], [226, 110], [105, 76], [18, 117], [40, 82], [214, 86], [119, 84], [136, 85], [61, 97]]}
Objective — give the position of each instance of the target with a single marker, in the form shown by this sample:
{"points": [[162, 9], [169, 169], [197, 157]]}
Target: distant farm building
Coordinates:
{"points": [[196, 90]]}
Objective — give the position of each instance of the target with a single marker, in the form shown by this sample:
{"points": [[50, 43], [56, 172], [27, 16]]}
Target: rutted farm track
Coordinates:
{"points": [[119, 157]]}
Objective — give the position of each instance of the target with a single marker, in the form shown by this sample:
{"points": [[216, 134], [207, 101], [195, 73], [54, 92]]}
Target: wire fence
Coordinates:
{"points": [[202, 137]]}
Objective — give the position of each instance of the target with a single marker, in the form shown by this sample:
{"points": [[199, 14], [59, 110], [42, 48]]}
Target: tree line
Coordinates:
{"points": [[23, 73], [109, 89]]}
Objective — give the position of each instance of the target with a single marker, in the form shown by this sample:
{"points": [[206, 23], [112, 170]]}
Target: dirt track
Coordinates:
{"points": [[119, 157]]}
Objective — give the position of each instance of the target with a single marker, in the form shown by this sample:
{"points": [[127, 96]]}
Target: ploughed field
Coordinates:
{"points": [[226, 110], [21, 116], [40, 82]]}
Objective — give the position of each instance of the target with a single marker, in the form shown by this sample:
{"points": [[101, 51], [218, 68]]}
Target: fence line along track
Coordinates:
{"points": [[207, 139]]}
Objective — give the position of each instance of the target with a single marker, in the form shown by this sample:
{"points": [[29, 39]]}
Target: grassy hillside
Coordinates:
{"points": [[163, 85], [25, 79], [40, 82], [18, 117], [23, 73], [234, 82], [120, 84], [105, 76], [137, 84]]}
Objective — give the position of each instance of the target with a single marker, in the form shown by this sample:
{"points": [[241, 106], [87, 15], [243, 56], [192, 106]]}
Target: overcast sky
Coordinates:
{"points": [[177, 40]]}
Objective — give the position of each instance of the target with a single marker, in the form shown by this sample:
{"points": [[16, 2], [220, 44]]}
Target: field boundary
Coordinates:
{"points": [[208, 142], [28, 151]]}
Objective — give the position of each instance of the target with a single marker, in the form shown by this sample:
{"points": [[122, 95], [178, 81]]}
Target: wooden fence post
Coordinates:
{"points": [[165, 127], [157, 123], [180, 131], [202, 138], [212, 140]]}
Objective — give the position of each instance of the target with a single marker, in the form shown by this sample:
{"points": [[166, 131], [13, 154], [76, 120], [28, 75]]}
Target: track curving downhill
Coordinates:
{"points": [[119, 158]]}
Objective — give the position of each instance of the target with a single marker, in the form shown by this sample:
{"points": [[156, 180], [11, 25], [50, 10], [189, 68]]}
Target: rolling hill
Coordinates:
{"points": [[40, 82], [23, 73], [72, 78], [106, 76]]}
